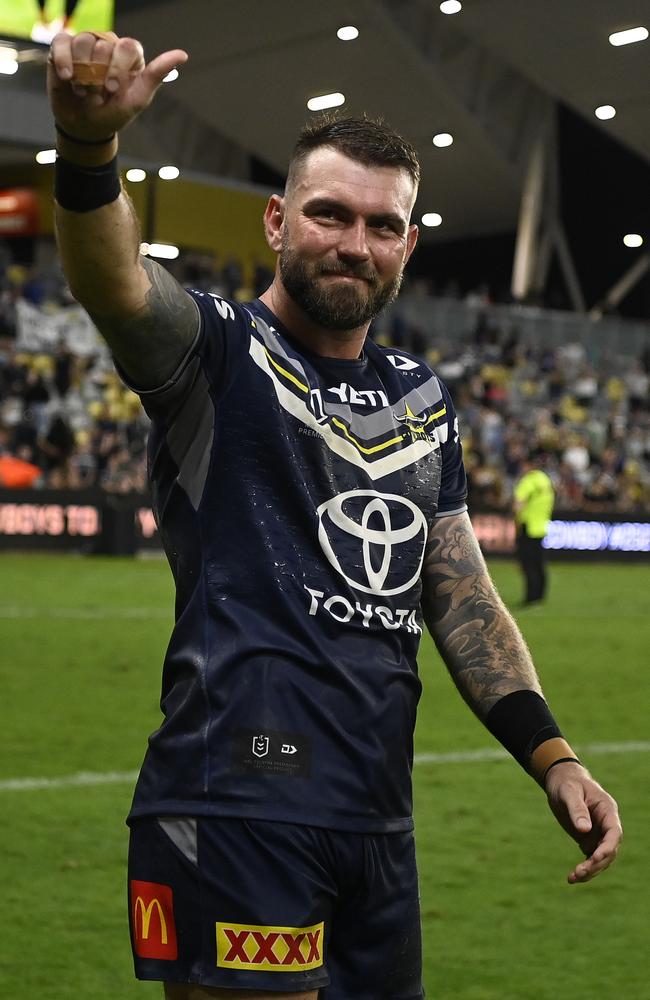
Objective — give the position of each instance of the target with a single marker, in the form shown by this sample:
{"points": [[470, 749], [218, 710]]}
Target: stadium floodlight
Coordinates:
{"points": [[443, 139], [451, 6], [604, 112], [166, 251], [633, 240], [628, 36], [347, 33], [171, 76], [431, 219], [325, 101], [168, 173], [46, 156], [136, 175]]}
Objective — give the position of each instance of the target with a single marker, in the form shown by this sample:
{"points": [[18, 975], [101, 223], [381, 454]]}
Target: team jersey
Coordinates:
{"points": [[293, 495]]}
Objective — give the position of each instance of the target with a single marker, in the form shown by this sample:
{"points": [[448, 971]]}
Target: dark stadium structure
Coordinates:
{"points": [[535, 195]]}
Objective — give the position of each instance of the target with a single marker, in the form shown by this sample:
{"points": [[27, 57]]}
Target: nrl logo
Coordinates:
{"points": [[260, 746]]}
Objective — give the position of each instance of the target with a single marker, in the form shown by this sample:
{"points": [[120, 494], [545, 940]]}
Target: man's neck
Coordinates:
{"points": [[342, 344]]}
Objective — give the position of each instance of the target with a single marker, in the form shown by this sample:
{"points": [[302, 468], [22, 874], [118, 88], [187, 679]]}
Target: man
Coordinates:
{"points": [[310, 495], [533, 503]]}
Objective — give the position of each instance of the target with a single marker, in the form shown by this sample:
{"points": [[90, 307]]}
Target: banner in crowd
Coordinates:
{"points": [[122, 525], [574, 534], [38, 331]]}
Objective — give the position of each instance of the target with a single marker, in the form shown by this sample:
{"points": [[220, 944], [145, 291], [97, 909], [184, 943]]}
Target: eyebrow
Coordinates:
{"points": [[317, 204]]}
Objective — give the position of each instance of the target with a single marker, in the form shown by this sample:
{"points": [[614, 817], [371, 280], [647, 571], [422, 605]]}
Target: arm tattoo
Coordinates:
{"points": [[476, 636], [151, 342]]}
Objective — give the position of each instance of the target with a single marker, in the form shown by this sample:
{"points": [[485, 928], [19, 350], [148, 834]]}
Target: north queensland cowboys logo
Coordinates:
{"points": [[376, 541]]}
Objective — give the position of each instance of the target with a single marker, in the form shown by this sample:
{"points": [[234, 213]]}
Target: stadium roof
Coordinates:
{"points": [[487, 75]]}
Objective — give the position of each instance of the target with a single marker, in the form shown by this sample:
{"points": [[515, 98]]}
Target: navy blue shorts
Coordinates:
{"points": [[253, 904]]}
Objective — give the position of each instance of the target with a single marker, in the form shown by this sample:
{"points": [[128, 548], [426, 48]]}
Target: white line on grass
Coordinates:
{"points": [[68, 781], [109, 614], [100, 614], [89, 778], [496, 753]]}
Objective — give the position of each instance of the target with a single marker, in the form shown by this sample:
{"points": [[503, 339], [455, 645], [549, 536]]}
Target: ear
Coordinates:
{"points": [[274, 222], [411, 240]]}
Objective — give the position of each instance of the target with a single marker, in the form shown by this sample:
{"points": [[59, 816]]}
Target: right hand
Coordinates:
{"points": [[588, 814], [95, 112]]}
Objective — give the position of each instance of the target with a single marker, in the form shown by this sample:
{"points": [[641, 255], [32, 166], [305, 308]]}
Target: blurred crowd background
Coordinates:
{"points": [[67, 421]]}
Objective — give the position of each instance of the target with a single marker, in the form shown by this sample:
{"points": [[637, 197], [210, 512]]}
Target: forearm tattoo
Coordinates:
{"points": [[150, 343], [476, 636]]}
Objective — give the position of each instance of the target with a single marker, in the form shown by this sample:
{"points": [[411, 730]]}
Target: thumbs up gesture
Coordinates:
{"points": [[97, 83]]}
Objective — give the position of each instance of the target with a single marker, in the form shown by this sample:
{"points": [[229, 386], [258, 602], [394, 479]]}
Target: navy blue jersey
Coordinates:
{"points": [[293, 495]]}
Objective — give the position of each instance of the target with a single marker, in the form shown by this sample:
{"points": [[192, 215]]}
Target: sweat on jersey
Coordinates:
{"points": [[293, 495]]}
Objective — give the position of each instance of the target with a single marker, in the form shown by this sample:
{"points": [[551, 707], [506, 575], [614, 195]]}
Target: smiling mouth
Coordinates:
{"points": [[345, 277]]}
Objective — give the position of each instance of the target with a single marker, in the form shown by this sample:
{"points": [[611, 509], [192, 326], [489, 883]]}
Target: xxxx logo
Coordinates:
{"points": [[269, 949]]}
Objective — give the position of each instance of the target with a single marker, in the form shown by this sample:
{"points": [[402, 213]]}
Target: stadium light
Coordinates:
{"points": [[171, 76], [168, 173], [325, 101], [604, 112], [443, 139], [8, 61], [628, 36], [451, 6], [431, 219], [633, 240], [46, 156], [166, 251], [135, 175], [348, 33]]}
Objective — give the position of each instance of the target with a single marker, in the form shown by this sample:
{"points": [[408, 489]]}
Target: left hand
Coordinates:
{"points": [[588, 814]]}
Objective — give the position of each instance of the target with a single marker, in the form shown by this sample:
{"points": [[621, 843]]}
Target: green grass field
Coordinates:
{"points": [[82, 643], [17, 16]]}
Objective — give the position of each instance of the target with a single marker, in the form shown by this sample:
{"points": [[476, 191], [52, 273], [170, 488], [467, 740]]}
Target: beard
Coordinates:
{"points": [[335, 305]]}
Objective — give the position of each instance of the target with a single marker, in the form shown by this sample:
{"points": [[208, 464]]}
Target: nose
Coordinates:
{"points": [[353, 243]]}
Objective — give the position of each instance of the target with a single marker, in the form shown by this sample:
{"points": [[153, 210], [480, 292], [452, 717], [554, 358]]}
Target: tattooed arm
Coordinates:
{"points": [[147, 319], [150, 342], [488, 660], [474, 632]]}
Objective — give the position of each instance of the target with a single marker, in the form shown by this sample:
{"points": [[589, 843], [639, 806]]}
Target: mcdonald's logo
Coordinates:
{"points": [[269, 949], [152, 921]]}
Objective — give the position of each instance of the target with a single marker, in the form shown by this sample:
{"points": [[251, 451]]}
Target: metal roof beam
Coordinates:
{"points": [[500, 100]]}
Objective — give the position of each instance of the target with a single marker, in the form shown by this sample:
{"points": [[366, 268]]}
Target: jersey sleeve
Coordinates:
{"points": [[453, 482], [220, 346]]}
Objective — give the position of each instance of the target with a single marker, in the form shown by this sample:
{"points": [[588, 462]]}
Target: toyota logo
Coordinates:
{"points": [[368, 533]]}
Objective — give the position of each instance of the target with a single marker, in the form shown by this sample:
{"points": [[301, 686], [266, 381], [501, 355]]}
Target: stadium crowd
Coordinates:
{"points": [[71, 420]]}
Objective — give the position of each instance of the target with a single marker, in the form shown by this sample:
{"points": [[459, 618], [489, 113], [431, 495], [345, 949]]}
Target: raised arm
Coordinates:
{"points": [[491, 665], [148, 320]]}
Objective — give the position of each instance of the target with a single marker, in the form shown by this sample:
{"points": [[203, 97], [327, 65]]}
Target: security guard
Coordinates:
{"points": [[533, 504]]}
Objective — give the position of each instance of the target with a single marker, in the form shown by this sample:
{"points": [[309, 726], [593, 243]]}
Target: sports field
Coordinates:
{"points": [[17, 16], [80, 654]]}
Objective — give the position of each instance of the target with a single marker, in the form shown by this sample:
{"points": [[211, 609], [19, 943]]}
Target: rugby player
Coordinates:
{"points": [[310, 495]]}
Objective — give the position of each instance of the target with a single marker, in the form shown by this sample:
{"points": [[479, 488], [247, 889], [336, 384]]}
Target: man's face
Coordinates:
{"points": [[345, 238]]}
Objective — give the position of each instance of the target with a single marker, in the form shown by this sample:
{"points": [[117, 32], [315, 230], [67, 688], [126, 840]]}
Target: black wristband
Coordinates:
{"points": [[83, 142], [82, 189], [521, 721]]}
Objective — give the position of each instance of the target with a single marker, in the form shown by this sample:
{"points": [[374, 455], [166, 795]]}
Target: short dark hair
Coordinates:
{"points": [[370, 141]]}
